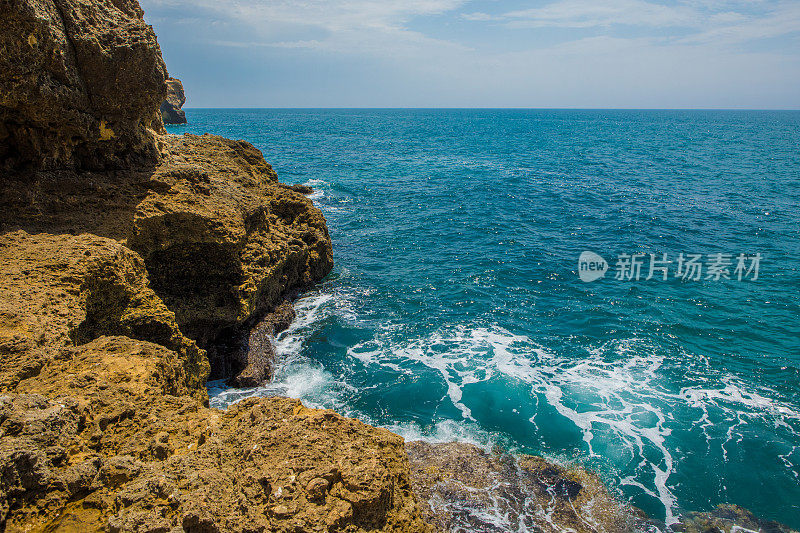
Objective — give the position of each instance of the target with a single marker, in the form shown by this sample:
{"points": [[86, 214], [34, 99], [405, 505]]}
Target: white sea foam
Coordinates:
{"points": [[307, 310], [295, 376], [470, 355], [446, 431], [614, 394], [319, 187]]}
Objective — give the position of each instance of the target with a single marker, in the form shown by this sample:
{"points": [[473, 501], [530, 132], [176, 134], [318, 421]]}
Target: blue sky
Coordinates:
{"points": [[482, 53]]}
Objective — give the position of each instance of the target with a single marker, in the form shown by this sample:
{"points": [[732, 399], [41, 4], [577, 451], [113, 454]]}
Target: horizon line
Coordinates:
{"points": [[505, 108]]}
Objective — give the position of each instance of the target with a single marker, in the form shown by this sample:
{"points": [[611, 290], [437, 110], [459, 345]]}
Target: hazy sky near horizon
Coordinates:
{"points": [[482, 53]]}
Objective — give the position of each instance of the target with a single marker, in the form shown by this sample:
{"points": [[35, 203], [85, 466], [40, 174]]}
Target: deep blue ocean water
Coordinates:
{"points": [[455, 310]]}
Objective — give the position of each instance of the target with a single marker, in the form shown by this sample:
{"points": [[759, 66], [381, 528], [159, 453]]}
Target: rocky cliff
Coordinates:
{"points": [[80, 86], [59, 291], [223, 240], [171, 112], [103, 425]]}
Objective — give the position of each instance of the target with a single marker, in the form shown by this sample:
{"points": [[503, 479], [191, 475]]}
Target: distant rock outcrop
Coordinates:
{"points": [[171, 111]]}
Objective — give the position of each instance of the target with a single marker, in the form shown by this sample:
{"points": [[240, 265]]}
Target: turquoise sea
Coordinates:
{"points": [[456, 310]]}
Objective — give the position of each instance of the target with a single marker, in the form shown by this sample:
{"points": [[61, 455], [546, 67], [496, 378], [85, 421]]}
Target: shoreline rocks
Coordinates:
{"points": [[108, 438], [464, 488], [104, 424]]}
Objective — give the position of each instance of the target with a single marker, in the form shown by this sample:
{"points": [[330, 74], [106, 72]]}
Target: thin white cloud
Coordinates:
{"points": [[381, 27], [590, 13], [782, 20], [717, 22], [478, 17], [309, 44]]}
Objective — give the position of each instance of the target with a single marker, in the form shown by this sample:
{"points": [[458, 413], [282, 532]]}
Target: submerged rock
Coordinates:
{"points": [[463, 488], [171, 112], [728, 518]]}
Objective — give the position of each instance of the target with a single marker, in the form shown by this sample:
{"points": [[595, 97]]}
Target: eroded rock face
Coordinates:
{"points": [[107, 438], [57, 291], [222, 238], [224, 242], [81, 151], [80, 85], [251, 355], [171, 112], [463, 488]]}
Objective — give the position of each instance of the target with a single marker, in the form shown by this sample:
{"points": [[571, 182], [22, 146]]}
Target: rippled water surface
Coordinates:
{"points": [[455, 310]]}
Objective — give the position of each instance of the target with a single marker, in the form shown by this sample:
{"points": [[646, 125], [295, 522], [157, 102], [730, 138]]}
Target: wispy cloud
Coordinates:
{"points": [[782, 19], [590, 13], [718, 22], [309, 44], [479, 17], [364, 26]]}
